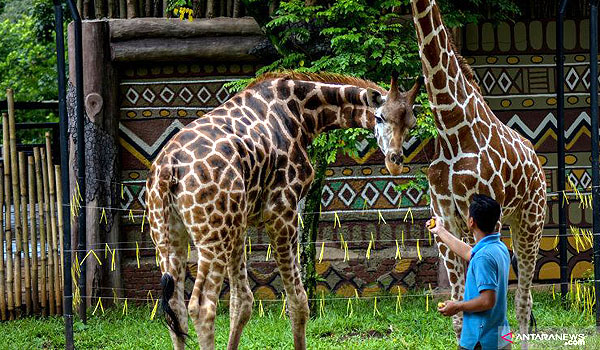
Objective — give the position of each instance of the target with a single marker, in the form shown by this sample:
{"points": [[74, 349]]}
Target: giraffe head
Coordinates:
{"points": [[393, 119]]}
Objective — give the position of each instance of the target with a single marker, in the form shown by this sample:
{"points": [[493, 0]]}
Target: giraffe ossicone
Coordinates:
{"points": [[246, 164]]}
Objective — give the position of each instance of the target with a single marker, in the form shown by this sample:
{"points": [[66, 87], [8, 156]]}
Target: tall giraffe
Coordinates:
{"points": [[245, 164], [477, 153]]}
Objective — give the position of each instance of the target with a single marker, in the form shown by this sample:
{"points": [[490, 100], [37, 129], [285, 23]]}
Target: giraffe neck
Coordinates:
{"points": [[320, 107], [449, 81]]}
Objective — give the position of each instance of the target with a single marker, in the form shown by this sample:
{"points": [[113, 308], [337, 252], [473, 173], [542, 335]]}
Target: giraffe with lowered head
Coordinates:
{"points": [[477, 153], [245, 164]]}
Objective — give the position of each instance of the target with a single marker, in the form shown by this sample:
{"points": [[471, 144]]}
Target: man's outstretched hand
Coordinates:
{"points": [[450, 308]]}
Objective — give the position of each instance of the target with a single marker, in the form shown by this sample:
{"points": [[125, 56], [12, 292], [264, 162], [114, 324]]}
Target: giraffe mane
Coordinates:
{"points": [[321, 77], [462, 62]]}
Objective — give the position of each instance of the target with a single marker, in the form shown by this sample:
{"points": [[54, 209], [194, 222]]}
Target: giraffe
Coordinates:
{"points": [[477, 153], [245, 164]]}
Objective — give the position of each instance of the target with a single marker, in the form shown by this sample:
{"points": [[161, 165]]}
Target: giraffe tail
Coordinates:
{"points": [[167, 284]]}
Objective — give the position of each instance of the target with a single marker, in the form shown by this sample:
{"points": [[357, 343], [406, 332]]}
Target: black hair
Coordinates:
{"points": [[485, 211]]}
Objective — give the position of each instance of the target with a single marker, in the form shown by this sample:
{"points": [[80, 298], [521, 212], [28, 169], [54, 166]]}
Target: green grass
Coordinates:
{"points": [[412, 328]]}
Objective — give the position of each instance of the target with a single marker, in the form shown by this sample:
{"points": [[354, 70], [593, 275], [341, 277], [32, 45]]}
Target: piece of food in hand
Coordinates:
{"points": [[441, 305], [431, 224]]}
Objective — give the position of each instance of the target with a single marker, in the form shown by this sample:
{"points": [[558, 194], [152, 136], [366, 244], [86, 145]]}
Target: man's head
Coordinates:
{"points": [[484, 213]]}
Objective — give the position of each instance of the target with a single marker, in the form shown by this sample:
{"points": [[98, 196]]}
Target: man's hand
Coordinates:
{"points": [[435, 225], [450, 308]]}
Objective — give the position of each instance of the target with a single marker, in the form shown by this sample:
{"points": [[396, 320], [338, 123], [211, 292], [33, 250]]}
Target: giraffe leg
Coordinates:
{"points": [[241, 298], [285, 255], [203, 302], [455, 267], [171, 247], [525, 248]]}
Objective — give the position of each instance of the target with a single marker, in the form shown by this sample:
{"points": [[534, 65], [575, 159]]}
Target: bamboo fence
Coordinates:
{"points": [[31, 247]]}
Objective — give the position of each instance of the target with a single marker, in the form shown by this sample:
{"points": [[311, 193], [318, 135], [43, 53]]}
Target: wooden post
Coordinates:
{"points": [[101, 106], [42, 220], [99, 9], [60, 208], [54, 240], [2, 271], [33, 229], [23, 209], [8, 217], [14, 170], [51, 285]]}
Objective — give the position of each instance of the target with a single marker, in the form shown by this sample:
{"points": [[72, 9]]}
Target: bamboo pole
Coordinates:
{"points": [[52, 203], [25, 237], [2, 271], [131, 8], [59, 206], [7, 219], [40, 198], [122, 9], [32, 225], [48, 238], [14, 170]]}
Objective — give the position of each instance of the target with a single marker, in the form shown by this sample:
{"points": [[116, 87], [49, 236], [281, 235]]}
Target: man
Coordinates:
{"points": [[484, 305]]}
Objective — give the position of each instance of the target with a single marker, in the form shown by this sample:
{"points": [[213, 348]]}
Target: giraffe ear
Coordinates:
{"points": [[374, 98]]}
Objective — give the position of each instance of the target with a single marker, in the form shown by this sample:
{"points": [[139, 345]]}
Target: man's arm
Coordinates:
{"points": [[456, 245], [485, 301]]}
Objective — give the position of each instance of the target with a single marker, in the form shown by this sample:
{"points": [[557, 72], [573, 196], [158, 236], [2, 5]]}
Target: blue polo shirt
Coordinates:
{"points": [[488, 269]]}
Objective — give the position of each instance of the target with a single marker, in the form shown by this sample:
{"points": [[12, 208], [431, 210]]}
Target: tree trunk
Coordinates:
{"points": [[148, 4], [309, 235]]}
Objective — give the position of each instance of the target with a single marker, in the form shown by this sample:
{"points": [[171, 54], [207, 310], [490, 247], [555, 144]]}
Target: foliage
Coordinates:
{"points": [[460, 12], [27, 65], [411, 328]]}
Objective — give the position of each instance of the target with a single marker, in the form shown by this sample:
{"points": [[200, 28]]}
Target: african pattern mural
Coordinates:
{"points": [[514, 65]]}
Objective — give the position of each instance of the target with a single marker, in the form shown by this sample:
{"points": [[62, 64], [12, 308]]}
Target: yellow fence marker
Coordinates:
{"points": [[349, 308], [189, 250], [380, 218], [106, 250], [409, 211], [346, 255], [336, 219], [403, 239], [368, 255], [88, 254], [137, 254], [282, 315], [268, 252], [300, 221], [261, 311], [131, 218], [553, 295], [122, 192], [397, 251], [154, 310], [103, 215], [322, 250], [322, 305], [156, 257], [419, 250], [375, 309], [99, 303], [112, 262], [249, 246], [125, 311], [298, 251], [399, 300], [143, 220]]}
